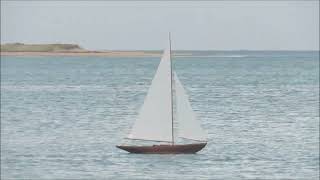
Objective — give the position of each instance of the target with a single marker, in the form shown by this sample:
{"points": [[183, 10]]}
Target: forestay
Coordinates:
{"points": [[189, 127], [155, 118]]}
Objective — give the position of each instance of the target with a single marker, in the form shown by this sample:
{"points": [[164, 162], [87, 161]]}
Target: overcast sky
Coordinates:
{"points": [[216, 25]]}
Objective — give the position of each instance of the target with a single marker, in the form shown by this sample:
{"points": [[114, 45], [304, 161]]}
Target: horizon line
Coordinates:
{"points": [[161, 49]]}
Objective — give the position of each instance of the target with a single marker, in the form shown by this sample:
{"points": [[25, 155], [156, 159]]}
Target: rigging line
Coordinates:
{"points": [[147, 140], [194, 139]]}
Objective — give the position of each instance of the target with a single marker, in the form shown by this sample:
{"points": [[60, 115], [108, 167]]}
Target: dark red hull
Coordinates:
{"points": [[165, 149]]}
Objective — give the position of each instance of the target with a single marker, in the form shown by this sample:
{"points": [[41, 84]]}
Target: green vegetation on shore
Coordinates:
{"points": [[20, 47]]}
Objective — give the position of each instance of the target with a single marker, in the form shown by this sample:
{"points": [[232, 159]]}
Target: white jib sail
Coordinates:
{"points": [[155, 118], [189, 127]]}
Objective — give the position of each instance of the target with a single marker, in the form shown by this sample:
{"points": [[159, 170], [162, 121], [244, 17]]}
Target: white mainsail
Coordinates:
{"points": [[189, 127], [155, 118]]}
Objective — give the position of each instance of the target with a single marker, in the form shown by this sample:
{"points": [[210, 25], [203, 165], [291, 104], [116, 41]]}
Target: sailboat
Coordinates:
{"points": [[156, 118]]}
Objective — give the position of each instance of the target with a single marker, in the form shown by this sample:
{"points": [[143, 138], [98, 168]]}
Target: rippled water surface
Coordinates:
{"points": [[61, 117]]}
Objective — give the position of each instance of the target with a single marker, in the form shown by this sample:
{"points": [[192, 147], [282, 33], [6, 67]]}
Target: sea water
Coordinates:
{"points": [[61, 117]]}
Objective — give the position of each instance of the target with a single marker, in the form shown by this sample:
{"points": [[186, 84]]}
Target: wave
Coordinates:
{"points": [[70, 88], [215, 56], [54, 88]]}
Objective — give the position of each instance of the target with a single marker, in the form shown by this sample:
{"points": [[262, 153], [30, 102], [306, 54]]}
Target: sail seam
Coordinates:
{"points": [[171, 89]]}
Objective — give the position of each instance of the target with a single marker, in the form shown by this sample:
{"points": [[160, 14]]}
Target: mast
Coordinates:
{"points": [[171, 90]]}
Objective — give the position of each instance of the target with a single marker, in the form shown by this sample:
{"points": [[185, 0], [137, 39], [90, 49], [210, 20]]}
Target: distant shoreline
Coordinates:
{"points": [[87, 53], [21, 49]]}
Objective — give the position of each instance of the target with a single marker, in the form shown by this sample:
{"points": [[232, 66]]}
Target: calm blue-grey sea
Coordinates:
{"points": [[61, 117]]}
